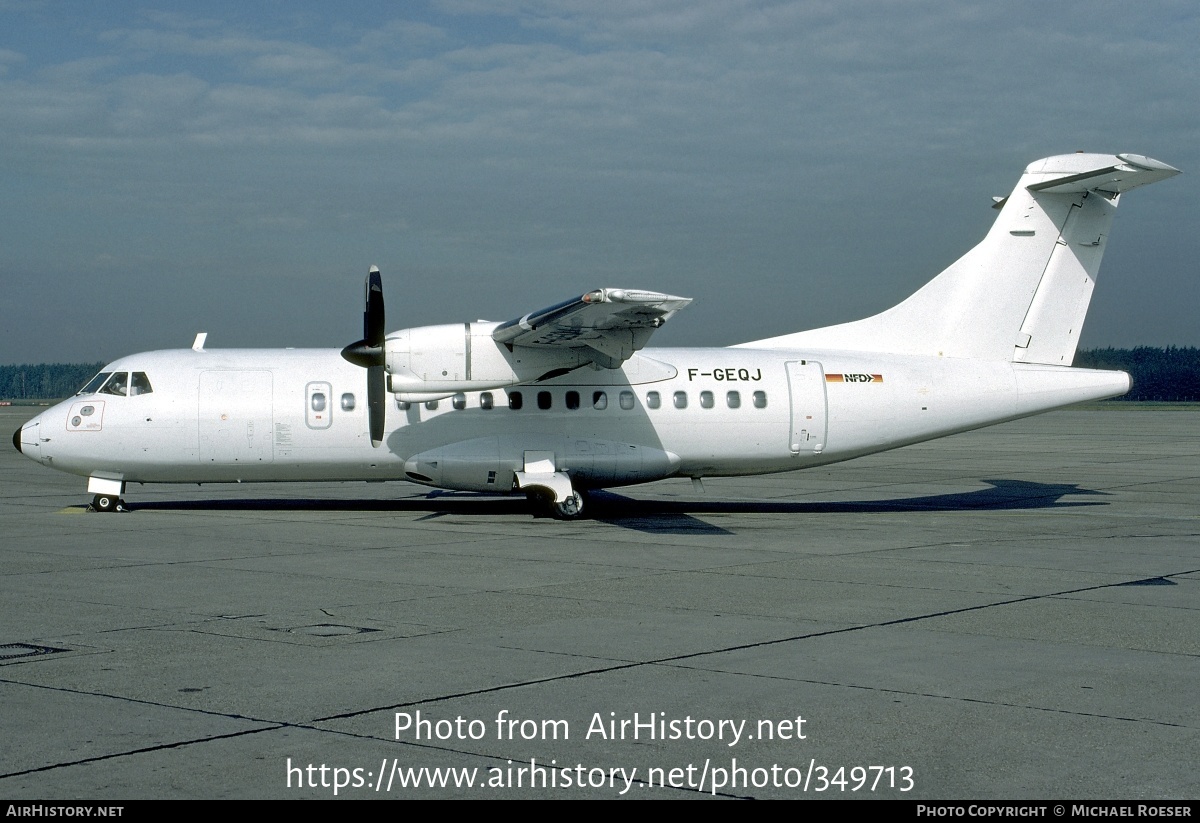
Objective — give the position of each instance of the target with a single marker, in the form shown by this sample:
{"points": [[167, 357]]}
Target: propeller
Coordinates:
{"points": [[370, 353]]}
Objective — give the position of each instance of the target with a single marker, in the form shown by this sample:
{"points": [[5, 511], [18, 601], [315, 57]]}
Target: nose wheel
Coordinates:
{"points": [[108, 503]]}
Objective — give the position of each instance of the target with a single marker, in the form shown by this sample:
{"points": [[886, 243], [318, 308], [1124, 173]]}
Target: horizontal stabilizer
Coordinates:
{"points": [[1077, 173]]}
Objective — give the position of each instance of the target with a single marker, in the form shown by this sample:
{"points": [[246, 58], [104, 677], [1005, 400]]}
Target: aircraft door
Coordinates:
{"points": [[236, 417], [810, 418]]}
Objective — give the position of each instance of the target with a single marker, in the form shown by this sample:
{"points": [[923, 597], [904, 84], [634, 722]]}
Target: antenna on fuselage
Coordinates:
{"points": [[198, 343]]}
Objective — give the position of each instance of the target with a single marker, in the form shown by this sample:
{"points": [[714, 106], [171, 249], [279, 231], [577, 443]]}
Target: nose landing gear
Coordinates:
{"points": [[107, 503], [107, 495]]}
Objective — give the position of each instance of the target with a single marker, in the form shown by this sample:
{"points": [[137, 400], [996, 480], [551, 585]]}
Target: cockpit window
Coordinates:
{"points": [[95, 383], [139, 384], [118, 384]]}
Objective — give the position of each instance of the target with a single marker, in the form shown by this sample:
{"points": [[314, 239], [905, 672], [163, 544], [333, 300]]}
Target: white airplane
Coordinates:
{"points": [[566, 399]]}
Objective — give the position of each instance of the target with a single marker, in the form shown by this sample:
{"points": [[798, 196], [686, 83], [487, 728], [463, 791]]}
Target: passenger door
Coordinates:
{"points": [[806, 387]]}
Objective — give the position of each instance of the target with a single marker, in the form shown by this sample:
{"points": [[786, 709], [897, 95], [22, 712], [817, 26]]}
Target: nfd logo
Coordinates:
{"points": [[854, 378]]}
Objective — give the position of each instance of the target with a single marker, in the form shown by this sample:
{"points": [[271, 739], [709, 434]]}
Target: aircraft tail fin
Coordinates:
{"points": [[1021, 295]]}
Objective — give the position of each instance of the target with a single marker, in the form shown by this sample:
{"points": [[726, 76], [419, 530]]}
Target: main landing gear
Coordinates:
{"points": [[570, 507], [107, 503], [544, 483]]}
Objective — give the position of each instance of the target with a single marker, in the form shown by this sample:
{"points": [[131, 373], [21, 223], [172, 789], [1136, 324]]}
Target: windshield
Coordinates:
{"points": [[117, 385], [95, 383]]}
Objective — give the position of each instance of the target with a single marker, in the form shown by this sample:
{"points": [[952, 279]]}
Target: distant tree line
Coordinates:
{"points": [[46, 381], [1172, 373]]}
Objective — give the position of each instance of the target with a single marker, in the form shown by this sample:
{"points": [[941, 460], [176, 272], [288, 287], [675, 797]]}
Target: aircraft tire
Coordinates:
{"points": [[571, 508], [105, 503]]}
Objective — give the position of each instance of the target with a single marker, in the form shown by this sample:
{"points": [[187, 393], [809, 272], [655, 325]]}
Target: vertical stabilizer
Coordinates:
{"points": [[1021, 294]]}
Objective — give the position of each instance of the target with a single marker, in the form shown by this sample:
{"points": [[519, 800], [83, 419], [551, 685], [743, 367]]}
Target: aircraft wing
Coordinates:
{"points": [[609, 325]]}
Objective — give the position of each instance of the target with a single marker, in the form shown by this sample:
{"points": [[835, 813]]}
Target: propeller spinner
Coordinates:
{"points": [[370, 353]]}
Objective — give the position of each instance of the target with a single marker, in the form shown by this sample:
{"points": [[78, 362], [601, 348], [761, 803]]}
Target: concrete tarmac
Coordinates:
{"points": [[1012, 613]]}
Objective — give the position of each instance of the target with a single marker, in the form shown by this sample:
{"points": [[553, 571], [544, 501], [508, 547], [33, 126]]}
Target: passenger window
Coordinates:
{"points": [[599, 401], [515, 400], [347, 402], [681, 400], [572, 400], [140, 384], [319, 414], [118, 384], [95, 383], [733, 400], [403, 405], [760, 400], [431, 405], [486, 401], [626, 400], [653, 400], [459, 401], [544, 400], [706, 400]]}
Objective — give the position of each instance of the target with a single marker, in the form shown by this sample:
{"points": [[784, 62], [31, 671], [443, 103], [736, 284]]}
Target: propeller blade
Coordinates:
{"points": [[371, 354], [373, 322], [370, 351], [376, 402]]}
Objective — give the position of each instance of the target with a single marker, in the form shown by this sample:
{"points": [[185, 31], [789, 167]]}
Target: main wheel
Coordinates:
{"points": [[105, 502], [571, 508]]}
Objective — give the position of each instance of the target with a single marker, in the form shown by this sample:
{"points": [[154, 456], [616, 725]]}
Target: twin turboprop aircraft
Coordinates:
{"points": [[567, 399]]}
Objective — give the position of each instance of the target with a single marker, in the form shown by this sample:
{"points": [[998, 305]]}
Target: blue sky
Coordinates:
{"points": [[235, 168]]}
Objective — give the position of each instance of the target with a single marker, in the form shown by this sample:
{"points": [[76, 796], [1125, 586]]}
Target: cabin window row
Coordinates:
{"points": [[573, 400], [318, 402]]}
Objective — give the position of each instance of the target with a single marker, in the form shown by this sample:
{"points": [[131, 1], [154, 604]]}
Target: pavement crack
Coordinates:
{"points": [[144, 750]]}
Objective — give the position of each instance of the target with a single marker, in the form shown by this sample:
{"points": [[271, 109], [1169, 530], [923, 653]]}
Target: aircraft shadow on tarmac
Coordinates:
{"points": [[666, 516]]}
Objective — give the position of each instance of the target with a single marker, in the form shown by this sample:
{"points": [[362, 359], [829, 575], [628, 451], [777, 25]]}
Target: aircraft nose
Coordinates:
{"points": [[26, 439]]}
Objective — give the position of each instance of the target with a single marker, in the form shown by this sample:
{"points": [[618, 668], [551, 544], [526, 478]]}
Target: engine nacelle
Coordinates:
{"points": [[462, 357]]}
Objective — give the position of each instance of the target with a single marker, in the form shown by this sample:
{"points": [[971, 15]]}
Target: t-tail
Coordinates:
{"points": [[1022, 294]]}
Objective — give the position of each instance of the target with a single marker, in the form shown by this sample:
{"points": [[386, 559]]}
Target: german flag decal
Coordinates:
{"points": [[854, 378]]}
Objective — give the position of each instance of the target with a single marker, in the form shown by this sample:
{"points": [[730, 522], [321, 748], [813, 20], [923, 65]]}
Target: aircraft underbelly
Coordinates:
{"points": [[491, 463]]}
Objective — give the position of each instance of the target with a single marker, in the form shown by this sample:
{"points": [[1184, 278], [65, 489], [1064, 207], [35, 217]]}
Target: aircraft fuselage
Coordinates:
{"points": [[296, 414]]}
